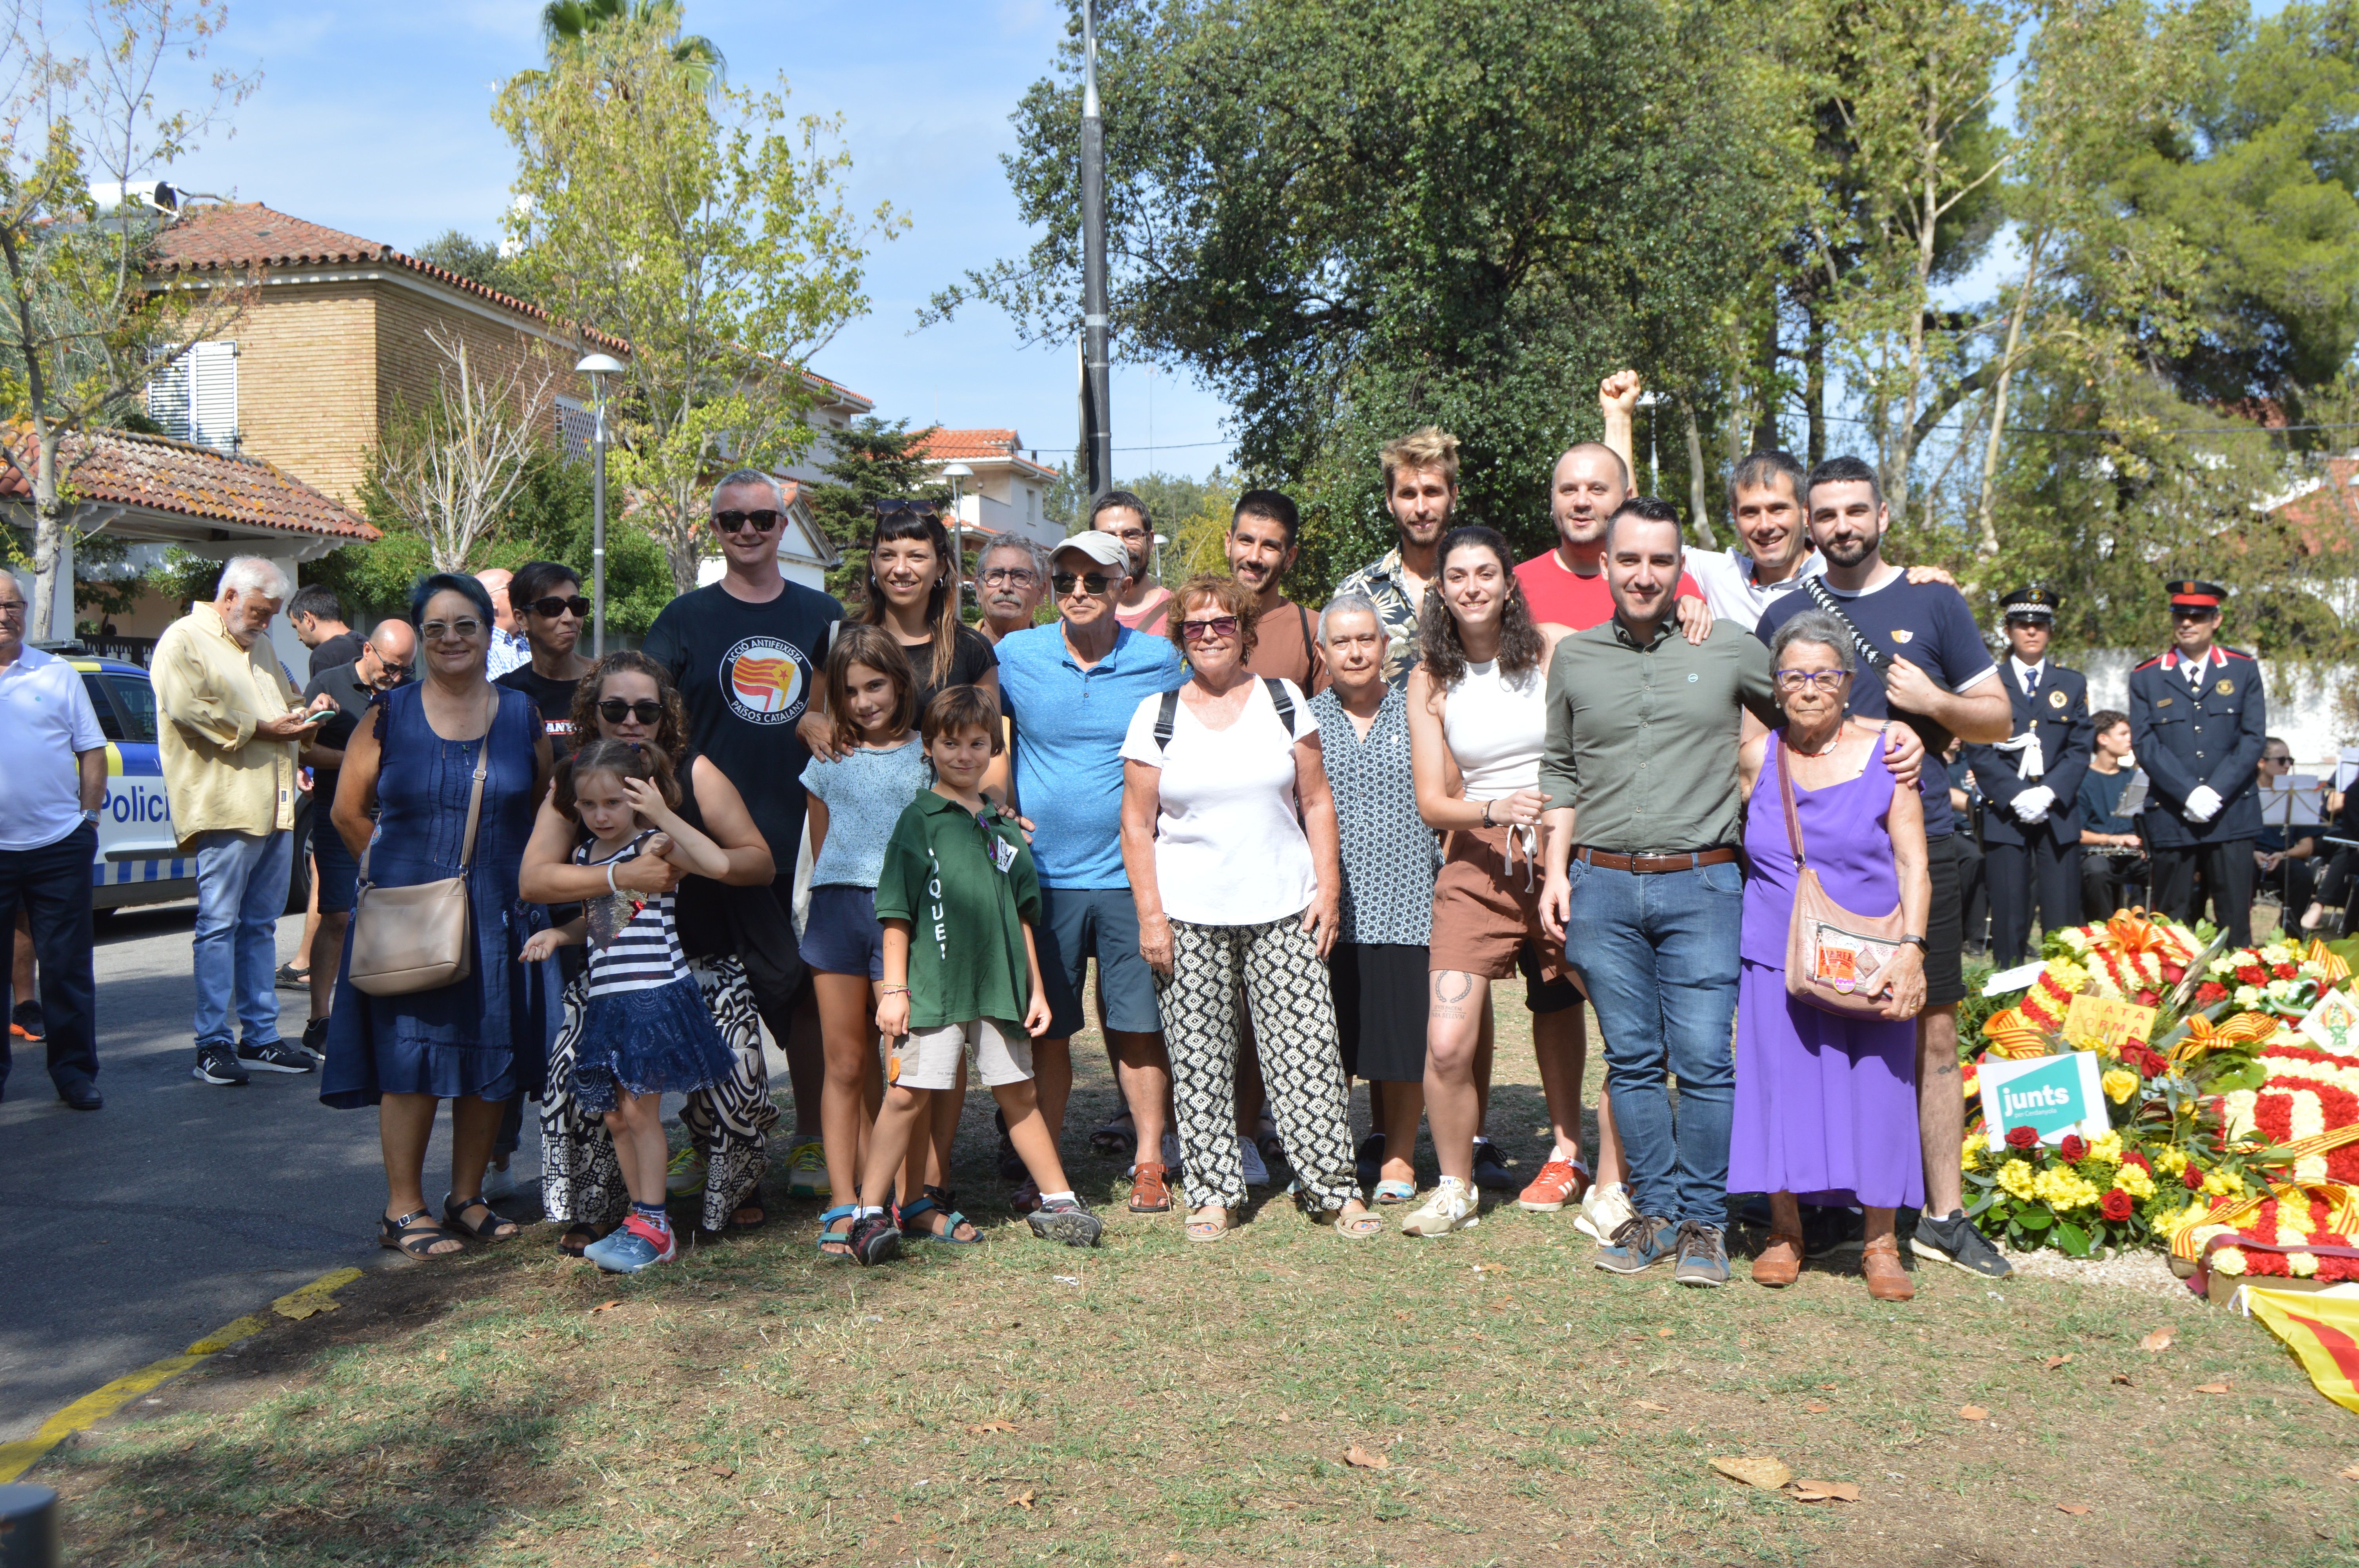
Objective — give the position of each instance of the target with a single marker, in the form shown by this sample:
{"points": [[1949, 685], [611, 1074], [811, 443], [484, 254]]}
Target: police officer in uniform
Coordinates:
{"points": [[2032, 825], [2197, 721]]}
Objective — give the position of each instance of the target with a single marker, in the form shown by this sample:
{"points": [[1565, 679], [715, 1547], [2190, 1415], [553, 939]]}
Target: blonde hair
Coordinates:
{"points": [[1427, 447]]}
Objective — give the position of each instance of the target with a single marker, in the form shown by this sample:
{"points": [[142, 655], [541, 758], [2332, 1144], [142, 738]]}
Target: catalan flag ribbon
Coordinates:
{"points": [[2323, 1331]]}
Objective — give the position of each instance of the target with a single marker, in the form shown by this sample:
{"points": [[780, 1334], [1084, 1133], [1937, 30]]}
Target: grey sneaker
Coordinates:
{"points": [[1703, 1255], [1641, 1242], [1956, 1242], [1067, 1221], [274, 1057]]}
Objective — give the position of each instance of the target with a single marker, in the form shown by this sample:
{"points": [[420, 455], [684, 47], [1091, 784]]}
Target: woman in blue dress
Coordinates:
{"points": [[402, 799]]}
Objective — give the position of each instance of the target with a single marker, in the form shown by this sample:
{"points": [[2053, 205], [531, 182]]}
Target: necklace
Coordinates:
{"points": [[1832, 742]]}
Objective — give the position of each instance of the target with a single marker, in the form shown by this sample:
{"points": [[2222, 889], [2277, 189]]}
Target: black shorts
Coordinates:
{"points": [[1945, 925], [1542, 995]]}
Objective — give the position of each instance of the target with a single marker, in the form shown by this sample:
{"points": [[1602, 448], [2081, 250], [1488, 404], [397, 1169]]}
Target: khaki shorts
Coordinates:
{"points": [[1484, 913], [929, 1058]]}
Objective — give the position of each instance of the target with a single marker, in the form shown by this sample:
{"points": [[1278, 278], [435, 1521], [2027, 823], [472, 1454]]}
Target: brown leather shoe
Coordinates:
{"points": [[1879, 1264], [1150, 1189], [1779, 1263]]}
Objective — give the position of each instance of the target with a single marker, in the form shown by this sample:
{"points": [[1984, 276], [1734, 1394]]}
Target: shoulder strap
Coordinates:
{"points": [[1877, 659], [1283, 703], [476, 794], [1166, 718], [1786, 793]]}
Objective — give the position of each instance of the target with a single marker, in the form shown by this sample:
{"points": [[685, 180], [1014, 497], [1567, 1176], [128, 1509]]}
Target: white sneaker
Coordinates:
{"points": [[1603, 1212], [1257, 1173], [1451, 1207]]}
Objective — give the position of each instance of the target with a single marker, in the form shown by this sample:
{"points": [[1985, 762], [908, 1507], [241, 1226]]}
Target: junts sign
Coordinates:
{"points": [[2050, 1095]]}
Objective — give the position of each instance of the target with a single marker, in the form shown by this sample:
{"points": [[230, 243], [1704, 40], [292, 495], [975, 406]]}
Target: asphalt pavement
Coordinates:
{"points": [[136, 1230]]}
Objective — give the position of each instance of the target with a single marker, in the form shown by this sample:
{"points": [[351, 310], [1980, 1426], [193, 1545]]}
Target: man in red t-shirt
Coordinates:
{"points": [[1567, 585]]}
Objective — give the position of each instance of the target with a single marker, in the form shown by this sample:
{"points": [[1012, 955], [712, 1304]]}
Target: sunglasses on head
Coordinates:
{"points": [[762, 522], [1092, 582], [552, 607], [646, 710], [916, 508], [1218, 626]]}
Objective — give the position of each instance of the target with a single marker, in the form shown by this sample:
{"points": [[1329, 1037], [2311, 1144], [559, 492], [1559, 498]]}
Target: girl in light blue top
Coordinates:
{"points": [[853, 802]]}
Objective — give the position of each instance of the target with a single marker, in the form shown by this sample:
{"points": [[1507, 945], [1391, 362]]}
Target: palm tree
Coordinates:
{"points": [[564, 24]]}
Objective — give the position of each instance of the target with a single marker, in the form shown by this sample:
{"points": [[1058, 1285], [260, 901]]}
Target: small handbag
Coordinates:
{"points": [[419, 938], [1835, 958]]}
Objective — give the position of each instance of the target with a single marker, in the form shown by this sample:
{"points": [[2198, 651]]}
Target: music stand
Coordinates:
{"points": [[2293, 804]]}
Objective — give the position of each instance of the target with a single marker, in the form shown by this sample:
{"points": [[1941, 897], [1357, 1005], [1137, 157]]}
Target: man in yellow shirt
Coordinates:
{"points": [[232, 728]]}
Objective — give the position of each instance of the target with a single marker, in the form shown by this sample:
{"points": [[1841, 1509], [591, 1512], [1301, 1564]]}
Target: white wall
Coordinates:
{"points": [[2300, 706]]}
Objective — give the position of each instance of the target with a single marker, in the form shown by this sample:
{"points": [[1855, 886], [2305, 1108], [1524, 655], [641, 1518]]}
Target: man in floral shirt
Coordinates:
{"points": [[1420, 490]]}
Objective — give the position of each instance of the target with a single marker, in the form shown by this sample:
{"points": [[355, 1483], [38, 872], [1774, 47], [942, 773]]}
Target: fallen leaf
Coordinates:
{"points": [[991, 1426], [725, 1471], [1972, 1412], [1360, 1458], [1831, 1385], [2075, 1509], [1662, 1334], [897, 1519], [604, 1306], [2350, 1475], [1022, 1500], [2210, 1388], [1826, 1491], [1651, 1405], [1759, 1470], [1816, 1408], [2155, 1343], [2123, 1380], [2056, 1361]]}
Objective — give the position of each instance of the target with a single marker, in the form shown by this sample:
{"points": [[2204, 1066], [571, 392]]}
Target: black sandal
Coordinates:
{"points": [[488, 1229], [875, 1239], [579, 1237], [753, 1205], [414, 1236]]}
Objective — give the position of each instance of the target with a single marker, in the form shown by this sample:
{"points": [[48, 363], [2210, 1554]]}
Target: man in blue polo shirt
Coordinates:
{"points": [[1922, 661], [1071, 689]]}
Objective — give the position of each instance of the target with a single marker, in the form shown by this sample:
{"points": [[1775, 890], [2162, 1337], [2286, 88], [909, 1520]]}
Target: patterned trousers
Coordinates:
{"points": [[581, 1182], [1284, 982]]}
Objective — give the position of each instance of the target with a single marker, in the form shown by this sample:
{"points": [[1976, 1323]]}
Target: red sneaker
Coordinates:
{"points": [[1560, 1182]]}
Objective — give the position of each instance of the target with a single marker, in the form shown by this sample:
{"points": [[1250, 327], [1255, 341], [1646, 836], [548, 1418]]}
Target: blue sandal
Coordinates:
{"points": [[829, 1236], [938, 1200]]}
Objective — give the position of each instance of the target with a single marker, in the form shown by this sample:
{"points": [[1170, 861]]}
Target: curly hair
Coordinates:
{"points": [[619, 758], [671, 733], [1228, 595], [1521, 646]]}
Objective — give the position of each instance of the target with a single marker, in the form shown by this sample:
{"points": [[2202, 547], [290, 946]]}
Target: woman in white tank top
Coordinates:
{"points": [[1477, 721]]}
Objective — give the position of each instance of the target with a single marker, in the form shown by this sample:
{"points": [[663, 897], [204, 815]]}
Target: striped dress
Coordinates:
{"points": [[644, 1027]]}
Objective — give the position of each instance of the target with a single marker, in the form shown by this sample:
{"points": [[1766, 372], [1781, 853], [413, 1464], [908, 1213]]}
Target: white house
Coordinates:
{"points": [[1008, 490]]}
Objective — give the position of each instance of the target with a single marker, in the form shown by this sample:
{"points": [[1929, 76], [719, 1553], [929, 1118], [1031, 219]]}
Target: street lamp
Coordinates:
{"points": [[1649, 401], [1155, 553], [955, 472], [598, 367]]}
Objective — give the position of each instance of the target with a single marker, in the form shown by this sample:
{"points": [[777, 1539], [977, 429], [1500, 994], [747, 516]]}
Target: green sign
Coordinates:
{"points": [[2050, 1095]]}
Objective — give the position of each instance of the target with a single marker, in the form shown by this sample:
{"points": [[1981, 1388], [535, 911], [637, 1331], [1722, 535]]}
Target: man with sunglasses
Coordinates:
{"points": [[1071, 689], [746, 653], [551, 607], [2199, 722]]}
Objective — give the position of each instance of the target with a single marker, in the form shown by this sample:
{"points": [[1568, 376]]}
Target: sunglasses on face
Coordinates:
{"points": [[466, 629], [1824, 680], [763, 522], [552, 607], [1218, 626], [1092, 582], [646, 710]]}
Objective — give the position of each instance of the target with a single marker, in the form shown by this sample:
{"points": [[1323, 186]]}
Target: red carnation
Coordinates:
{"points": [[2252, 974], [2074, 1146], [2022, 1138], [2147, 998], [2209, 992], [2191, 1176], [2116, 1206], [2285, 972], [2174, 973]]}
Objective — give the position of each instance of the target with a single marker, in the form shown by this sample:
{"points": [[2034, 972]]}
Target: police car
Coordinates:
{"points": [[139, 858]]}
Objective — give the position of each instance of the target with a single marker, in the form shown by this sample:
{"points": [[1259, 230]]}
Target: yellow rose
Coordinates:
{"points": [[2017, 1177], [2133, 1179], [2119, 1082]]}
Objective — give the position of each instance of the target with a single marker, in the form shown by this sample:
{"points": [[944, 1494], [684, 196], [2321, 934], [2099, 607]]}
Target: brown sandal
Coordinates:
{"points": [[1779, 1263], [1879, 1264], [1150, 1189]]}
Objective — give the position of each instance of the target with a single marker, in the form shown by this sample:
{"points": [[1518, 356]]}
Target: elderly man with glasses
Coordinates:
{"points": [[1011, 579], [1071, 689], [745, 652]]}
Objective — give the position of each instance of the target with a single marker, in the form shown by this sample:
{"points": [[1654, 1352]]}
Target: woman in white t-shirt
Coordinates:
{"points": [[1230, 841]]}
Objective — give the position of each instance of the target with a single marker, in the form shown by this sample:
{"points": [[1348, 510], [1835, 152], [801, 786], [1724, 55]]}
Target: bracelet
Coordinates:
{"points": [[1486, 812], [893, 991], [1918, 943], [610, 879]]}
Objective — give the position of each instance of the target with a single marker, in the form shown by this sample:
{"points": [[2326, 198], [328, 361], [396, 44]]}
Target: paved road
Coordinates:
{"points": [[132, 1230]]}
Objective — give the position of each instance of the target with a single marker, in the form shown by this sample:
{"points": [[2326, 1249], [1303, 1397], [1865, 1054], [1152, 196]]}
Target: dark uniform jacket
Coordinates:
{"points": [[2060, 714], [2207, 733]]}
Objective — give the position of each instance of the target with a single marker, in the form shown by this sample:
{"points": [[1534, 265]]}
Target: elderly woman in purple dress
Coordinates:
{"points": [[1826, 1105]]}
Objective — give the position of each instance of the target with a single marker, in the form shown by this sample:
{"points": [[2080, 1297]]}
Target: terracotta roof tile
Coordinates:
{"points": [[958, 446], [164, 475]]}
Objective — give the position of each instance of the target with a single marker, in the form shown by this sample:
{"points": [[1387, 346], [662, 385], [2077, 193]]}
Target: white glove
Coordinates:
{"points": [[2029, 765], [2202, 803], [2031, 805]]}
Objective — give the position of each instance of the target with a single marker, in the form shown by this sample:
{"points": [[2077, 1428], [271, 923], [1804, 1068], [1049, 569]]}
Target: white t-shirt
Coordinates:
{"points": [[1727, 578], [44, 712], [1229, 849]]}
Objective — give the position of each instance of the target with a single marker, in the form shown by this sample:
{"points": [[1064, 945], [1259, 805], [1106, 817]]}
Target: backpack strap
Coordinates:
{"points": [[1166, 718], [1283, 703], [1877, 659]]}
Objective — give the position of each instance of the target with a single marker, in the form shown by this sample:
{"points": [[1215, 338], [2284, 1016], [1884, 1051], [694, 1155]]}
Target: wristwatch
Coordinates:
{"points": [[1918, 943], [91, 815]]}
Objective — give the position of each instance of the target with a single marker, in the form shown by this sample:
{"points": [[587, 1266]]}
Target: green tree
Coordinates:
{"points": [[706, 231], [565, 24], [477, 261], [874, 461]]}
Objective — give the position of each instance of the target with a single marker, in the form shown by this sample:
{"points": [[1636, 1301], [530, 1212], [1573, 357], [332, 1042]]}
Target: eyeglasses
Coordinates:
{"points": [[466, 629], [1092, 582], [1019, 577], [762, 522], [397, 668], [646, 710], [1824, 680], [1218, 626], [14, 609], [552, 607]]}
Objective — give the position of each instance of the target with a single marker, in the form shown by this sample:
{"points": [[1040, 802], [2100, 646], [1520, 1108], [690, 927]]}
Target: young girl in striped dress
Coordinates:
{"points": [[645, 1028]]}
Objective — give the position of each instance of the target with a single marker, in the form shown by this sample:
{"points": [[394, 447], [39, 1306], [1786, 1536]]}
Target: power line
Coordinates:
{"points": [[2040, 430]]}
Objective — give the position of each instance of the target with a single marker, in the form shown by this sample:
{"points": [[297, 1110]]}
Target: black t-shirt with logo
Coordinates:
{"points": [[554, 698], [745, 673]]}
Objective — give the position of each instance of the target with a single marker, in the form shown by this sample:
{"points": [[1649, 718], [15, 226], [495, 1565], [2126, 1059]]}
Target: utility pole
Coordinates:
{"points": [[1097, 433]]}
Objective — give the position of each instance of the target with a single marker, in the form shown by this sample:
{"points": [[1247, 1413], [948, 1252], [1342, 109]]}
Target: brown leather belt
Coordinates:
{"points": [[1655, 863]]}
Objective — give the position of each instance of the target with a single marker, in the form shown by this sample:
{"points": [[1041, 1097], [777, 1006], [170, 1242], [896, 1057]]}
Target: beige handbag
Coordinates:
{"points": [[419, 938], [1835, 959]]}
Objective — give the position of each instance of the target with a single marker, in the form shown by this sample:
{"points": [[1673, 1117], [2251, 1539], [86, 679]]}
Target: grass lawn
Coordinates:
{"points": [[1162, 1403]]}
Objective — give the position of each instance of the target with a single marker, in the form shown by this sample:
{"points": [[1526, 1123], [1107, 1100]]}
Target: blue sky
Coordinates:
{"points": [[375, 119]]}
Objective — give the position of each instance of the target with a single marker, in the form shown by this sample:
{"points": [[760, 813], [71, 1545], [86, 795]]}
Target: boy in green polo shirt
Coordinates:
{"points": [[958, 900]]}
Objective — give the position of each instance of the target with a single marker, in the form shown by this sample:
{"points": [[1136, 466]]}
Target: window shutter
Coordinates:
{"points": [[576, 428], [194, 398]]}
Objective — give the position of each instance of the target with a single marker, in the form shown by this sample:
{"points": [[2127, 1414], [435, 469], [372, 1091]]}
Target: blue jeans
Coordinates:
{"points": [[1658, 954], [242, 882]]}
